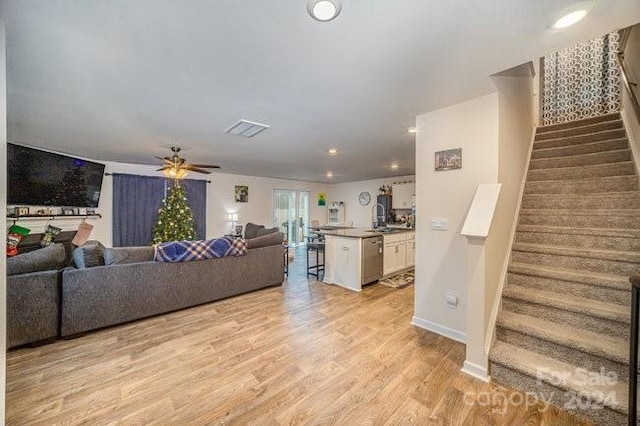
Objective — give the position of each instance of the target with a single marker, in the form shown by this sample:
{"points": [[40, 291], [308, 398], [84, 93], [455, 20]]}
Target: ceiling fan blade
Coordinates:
{"points": [[195, 169], [163, 168], [206, 166]]}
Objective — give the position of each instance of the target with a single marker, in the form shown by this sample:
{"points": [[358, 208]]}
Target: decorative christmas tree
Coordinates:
{"points": [[175, 218]]}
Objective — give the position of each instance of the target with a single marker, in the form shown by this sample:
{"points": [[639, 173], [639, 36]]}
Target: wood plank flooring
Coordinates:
{"points": [[303, 353]]}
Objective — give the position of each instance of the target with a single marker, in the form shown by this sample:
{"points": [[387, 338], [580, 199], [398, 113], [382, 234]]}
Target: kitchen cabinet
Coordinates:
{"points": [[411, 250], [399, 252], [389, 258], [400, 255], [343, 261], [403, 196]]}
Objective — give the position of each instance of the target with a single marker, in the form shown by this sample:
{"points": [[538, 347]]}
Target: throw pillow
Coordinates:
{"points": [[44, 259], [251, 230], [49, 235], [122, 255], [272, 239], [266, 231], [88, 255]]}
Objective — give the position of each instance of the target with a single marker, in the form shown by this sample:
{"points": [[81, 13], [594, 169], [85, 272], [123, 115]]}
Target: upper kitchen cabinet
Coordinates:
{"points": [[402, 195]]}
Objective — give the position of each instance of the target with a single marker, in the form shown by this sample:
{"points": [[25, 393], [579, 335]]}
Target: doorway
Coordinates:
{"points": [[291, 214]]}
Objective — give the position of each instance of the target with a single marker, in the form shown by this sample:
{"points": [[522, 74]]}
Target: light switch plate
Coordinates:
{"points": [[439, 224]]}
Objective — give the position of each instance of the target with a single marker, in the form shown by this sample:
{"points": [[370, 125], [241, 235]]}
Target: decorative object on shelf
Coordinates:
{"points": [[238, 230], [176, 167], [15, 234], [449, 159], [82, 234], [68, 211], [364, 198], [90, 212], [242, 194], [21, 211], [175, 218], [49, 235], [322, 199]]}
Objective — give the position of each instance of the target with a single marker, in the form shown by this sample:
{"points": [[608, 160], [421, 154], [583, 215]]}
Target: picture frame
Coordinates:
{"points": [[67, 211], [238, 230], [449, 159], [241, 194]]}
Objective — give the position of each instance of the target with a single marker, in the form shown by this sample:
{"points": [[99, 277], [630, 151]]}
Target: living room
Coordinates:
{"points": [[347, 115]]}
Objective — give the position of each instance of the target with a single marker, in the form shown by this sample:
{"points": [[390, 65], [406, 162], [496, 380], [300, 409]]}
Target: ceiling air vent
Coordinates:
{"points": [[246, 128]]}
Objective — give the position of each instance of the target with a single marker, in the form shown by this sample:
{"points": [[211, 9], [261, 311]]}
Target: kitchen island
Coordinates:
{"points": [[356, 257]]}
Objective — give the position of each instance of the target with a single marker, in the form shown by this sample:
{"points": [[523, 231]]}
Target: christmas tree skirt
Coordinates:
{"points": [[401, 280]]}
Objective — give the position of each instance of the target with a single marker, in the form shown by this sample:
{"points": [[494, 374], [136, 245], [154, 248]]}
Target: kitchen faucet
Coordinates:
{"points": [[374, 215]]}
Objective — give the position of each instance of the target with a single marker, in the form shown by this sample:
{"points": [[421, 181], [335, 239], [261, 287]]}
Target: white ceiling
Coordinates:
{"points": [[123, 80]]}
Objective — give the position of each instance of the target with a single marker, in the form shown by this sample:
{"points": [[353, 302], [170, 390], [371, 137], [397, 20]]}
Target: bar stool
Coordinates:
{"points": [[318, 267]]}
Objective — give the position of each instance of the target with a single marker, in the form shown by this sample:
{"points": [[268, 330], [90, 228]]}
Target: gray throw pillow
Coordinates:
{"points": [[88, 255], [271, 239], [122, 255], [251, 230], [267, 231], [49, 258]]}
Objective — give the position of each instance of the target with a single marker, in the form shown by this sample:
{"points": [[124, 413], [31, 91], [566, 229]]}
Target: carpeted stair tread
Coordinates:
{"points": [[613, 281], [581, 305], [580, 130], [601, 232], [584, 185], [599, 201], [578, 123], [619, 168], [604, 135], [613, 348], [562, 375], [617, 255], [580, 149], [601, 157]]}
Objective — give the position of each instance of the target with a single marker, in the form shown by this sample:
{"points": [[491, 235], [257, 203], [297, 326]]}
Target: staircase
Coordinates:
{"points": [[563, 330]]}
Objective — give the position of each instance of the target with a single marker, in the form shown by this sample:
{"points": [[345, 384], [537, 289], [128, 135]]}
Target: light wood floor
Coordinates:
{"points": [[303, 353]]}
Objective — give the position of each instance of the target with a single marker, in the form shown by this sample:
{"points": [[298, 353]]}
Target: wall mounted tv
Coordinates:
{"points": [[40, 178]]}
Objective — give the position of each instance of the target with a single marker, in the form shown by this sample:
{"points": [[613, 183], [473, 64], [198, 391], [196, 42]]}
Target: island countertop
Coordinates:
{"points": [[363, 232]]}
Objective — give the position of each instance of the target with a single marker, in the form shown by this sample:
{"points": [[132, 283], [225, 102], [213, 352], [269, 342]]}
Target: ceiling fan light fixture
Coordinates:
{"points": [[324, 10]]}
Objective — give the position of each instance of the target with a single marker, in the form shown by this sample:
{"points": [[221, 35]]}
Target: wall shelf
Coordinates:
{"points": [[14, 218]]}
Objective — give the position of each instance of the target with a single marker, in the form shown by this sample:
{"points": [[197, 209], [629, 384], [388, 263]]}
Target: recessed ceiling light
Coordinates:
{"points": [[329, 174], [412, 130], [395, 166], [333, 151], [571, 15], [324, 10]]}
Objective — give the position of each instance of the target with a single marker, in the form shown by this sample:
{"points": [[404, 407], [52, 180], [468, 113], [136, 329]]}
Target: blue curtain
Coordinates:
{"points": [[197, 198], [136, 201]]}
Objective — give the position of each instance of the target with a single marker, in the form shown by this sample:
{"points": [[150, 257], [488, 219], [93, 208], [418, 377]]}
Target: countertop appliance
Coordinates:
{"points": [[372, 262]]}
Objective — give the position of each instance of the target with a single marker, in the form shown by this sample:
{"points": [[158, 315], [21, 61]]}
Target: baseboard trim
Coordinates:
{"points": [[475, 370], [452, 334]]}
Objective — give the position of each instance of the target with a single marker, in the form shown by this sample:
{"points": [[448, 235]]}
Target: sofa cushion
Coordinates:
{"points": [[266, 231], [122, 255], [271, 239], [88, 255], [185, 251], [251, 230], [48, 258]]}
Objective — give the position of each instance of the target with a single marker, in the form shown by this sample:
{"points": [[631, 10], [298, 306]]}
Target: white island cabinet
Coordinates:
{"points": [[343, 262]]}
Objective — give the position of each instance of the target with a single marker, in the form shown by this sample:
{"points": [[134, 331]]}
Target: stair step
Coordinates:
{"points": [[598, 201], [581, 139], [617, 255], [578, 123], [579, 241], [580, 130], [585, 148], [566, 376], [611, 281], [584, 186], [582, 159], [623, 218], [611, 348], [576, 304], [571, 288], [602, 232], [621, 168]]}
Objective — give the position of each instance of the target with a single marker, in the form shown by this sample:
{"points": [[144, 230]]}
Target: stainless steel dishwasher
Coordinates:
{"points": [[372, 261]]}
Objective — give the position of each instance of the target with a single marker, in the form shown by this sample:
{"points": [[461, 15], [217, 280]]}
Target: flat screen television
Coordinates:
{"points": [[40, 178]]}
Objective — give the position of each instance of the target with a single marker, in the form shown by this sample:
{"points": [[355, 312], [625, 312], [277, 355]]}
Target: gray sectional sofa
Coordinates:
{"points": [[46, 300]]}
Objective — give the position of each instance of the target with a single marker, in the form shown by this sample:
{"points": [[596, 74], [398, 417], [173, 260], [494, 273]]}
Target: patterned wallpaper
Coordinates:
{"points": [[582, 81]]}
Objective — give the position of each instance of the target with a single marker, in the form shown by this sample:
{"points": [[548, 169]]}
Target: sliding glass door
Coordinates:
{"points": [[291, 214]]}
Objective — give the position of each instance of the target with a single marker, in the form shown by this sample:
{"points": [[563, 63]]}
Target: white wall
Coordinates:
{"points": [[348, 192], [3, 210], [441, 256], [220, 201], [516, 115]]}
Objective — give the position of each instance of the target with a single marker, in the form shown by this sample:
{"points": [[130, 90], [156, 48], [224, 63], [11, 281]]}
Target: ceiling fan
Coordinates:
{"points": [[177, 167]]}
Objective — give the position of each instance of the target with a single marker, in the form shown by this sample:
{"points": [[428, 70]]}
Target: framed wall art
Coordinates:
{"points": [[449, 159]]}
